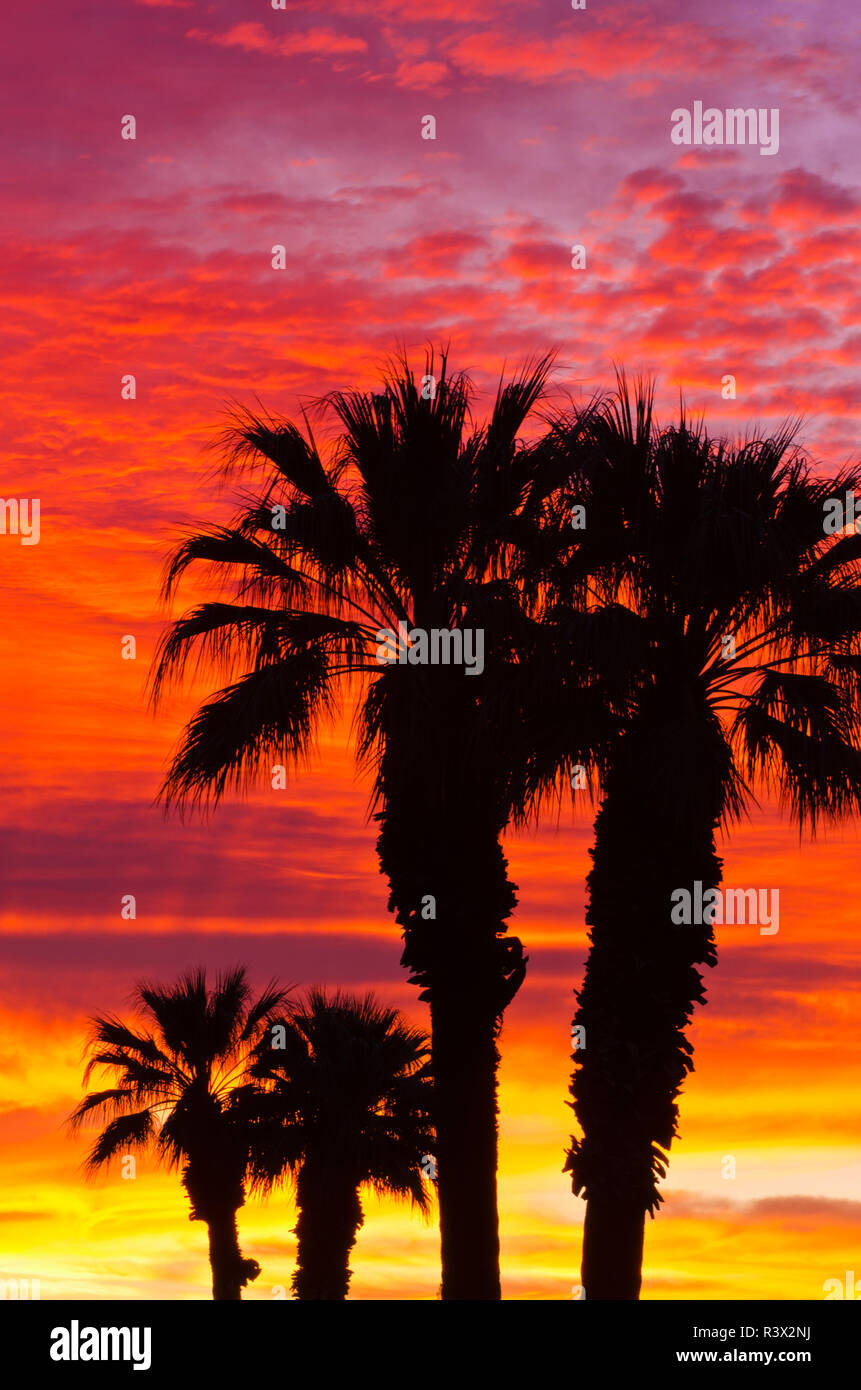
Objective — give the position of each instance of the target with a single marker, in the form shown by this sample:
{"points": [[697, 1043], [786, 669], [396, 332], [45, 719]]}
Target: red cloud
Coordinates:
{"points": [[701, 159], [253, 38], [491, 54], [804, 197], [437, 254], [624, 45], [646, 185], [536, 259], [686, 207], [420, 74], [832, 245]]}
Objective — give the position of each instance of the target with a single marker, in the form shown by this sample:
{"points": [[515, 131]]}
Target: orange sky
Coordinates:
{"points": [[153, 257]]}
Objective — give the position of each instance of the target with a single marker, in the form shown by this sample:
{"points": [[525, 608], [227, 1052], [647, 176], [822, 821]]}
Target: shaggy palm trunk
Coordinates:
{"points": [[468, 971], [225, 1257], [330, 1215], [213, 1179], [653, 835], [440, 849]]}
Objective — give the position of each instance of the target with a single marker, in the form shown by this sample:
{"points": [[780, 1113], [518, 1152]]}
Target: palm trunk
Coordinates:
{"points": [[639, 991], [464, 1064], [440, 849], [613, 1236], [213, 1179], [468, 970], [330, 1215], [230, 1272]]}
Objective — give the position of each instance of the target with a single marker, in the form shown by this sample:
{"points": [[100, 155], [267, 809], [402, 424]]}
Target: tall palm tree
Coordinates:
{"points": [[720, 626], [348, 1104], [411, 522], [181, 1088]]}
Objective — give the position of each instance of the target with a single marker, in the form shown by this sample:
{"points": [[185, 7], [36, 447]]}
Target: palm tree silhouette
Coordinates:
{"points": [[182, 1089], [347, 1104], [414, 521], [721, 631]]}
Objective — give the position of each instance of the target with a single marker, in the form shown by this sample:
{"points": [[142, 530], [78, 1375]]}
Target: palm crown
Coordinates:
{"points": [[736, 607], [410, 522], [350, 1087]]}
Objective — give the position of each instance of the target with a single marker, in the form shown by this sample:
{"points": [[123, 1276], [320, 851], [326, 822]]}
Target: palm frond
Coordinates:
{"points": [[270, 714], [125, 1132], [254, 439]]}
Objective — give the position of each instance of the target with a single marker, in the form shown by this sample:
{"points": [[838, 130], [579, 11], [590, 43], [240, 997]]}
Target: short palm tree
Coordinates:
{"points": [[408, 527], [347, 1105], [720, 624], [181, 1088]]}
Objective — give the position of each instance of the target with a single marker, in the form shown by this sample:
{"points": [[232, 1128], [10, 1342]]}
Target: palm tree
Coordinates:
{"points": [[347, 1104], [409, 527], [720, 626], [181, 1089]]}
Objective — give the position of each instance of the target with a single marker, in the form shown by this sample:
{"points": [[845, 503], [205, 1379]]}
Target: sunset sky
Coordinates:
{"points": [[258, 127]]}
